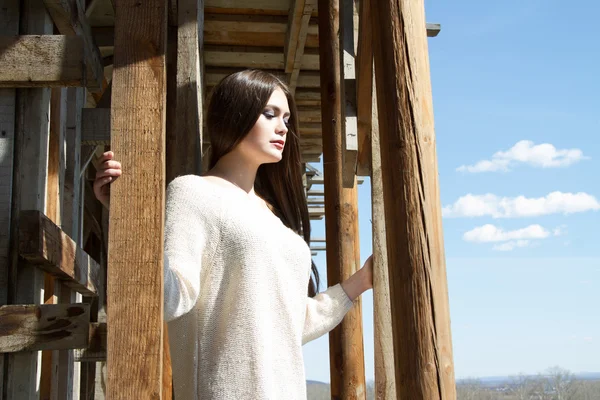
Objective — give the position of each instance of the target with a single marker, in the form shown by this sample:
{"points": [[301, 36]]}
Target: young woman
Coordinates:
{"points": [[237, 257]]}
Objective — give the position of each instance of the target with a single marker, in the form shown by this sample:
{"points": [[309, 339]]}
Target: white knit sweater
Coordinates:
{"points": [[235, 296]]}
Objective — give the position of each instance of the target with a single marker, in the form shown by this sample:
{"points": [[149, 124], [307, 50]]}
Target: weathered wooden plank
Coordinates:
{"points": [[306, 79], [49, 380], [341, 210], [9, 25], [44, 327], [26, 282], [253, 57], [43, 61], [70, 19], [364, 88], [45, 245], [307, 97], [135, 255], [269, 7], [297, 35], [72, 195], [184, 136], [385, 380], [418, 288], [95, 126], [350, 128]]}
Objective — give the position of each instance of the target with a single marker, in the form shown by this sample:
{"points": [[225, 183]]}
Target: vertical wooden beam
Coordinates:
{"points": [[26, 282], [348, 69], [364, 87], [341, 222], [417, 272], [184, 139], [50, 359], [9, 25], [385, 381], [135, 272]]}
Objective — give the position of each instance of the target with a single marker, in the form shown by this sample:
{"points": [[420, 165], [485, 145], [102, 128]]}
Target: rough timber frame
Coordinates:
{"points": [[74, 81]]}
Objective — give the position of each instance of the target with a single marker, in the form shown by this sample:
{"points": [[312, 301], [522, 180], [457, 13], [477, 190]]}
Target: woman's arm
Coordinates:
{"points": [[327, 309]]}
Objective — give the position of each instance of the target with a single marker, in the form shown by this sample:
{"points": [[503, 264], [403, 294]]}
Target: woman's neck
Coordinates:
{"points": [[234, 170]]}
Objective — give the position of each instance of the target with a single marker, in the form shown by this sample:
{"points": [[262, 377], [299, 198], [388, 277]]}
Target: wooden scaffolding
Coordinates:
{"points": [[80, 76]]}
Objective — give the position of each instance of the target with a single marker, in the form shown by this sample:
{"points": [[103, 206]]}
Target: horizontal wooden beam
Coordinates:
{"points": [[316, 192], [44, 327], [45, 245], [44, 61], [318, 248], [253, 57], [70, 19], [433, 29], [306, 79], [318, 180]]}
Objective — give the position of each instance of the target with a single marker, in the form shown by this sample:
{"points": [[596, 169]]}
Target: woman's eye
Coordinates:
{"points": [[269, 114]]}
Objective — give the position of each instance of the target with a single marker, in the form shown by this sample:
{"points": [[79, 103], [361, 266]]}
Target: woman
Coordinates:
{"points": [[237, 257]]}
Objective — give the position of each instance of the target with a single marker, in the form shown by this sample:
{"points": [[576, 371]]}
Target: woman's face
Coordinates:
{"points": [[266, 140]]}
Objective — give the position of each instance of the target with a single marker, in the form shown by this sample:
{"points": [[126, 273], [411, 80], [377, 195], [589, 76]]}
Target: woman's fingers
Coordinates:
{"points": [[114, 173], [109, 164]]}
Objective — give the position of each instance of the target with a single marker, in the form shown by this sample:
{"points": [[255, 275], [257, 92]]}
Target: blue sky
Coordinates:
{"points": [[515, 92]]}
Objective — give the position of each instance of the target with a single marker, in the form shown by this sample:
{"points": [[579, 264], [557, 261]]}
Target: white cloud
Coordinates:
{"points": [[542, 155], [521, 206], [509, 246], [490, 233], [510, 240]]}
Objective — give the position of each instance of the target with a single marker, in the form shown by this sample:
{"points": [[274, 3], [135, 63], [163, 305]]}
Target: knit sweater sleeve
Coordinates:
{"points": [[324, 312], [187, 239]]}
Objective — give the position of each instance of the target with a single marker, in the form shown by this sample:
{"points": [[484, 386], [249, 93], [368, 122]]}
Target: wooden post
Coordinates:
{"points": [[341, 213], [52, 373], [418, 287], [184, 133], [135, 267], [385, 381], [9, 25], [26, 282]]}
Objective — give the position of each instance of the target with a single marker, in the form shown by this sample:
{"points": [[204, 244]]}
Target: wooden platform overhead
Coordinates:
{"points": [[279, 36]]}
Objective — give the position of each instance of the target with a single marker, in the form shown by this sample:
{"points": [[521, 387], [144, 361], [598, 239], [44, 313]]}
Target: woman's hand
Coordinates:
{"points": [[360, 281], [108, 171]]}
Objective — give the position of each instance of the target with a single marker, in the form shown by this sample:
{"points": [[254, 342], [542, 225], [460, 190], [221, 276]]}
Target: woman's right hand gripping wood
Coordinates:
{"points": [[108, 171]]}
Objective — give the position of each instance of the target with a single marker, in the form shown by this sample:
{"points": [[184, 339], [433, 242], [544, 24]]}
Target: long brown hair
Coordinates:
{"points": [[235, 106]]}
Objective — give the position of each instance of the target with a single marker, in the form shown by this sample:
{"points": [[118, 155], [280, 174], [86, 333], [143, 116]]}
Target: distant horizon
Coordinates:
{"points": [[579, 376]]}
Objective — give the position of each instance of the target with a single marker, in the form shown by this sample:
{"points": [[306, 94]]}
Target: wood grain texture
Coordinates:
{"points": [[418, 288], [364, 87], [43, 244], [28, 193], [70, 19], [42, 61], [185, 128], [9, 25], [56, 156], [385, 379], [350, 128], [135, 243], [341, 214], [46, 326]]}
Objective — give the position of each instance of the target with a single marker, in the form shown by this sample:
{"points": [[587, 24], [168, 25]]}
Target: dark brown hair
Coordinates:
{"points": [[235, 106]]}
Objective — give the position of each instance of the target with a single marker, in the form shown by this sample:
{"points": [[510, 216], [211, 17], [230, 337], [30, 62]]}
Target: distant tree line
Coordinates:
{"points": [[554, 384]]}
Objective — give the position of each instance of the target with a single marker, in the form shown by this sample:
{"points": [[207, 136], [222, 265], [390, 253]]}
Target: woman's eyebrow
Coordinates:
{"points": [[277, 109]]}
